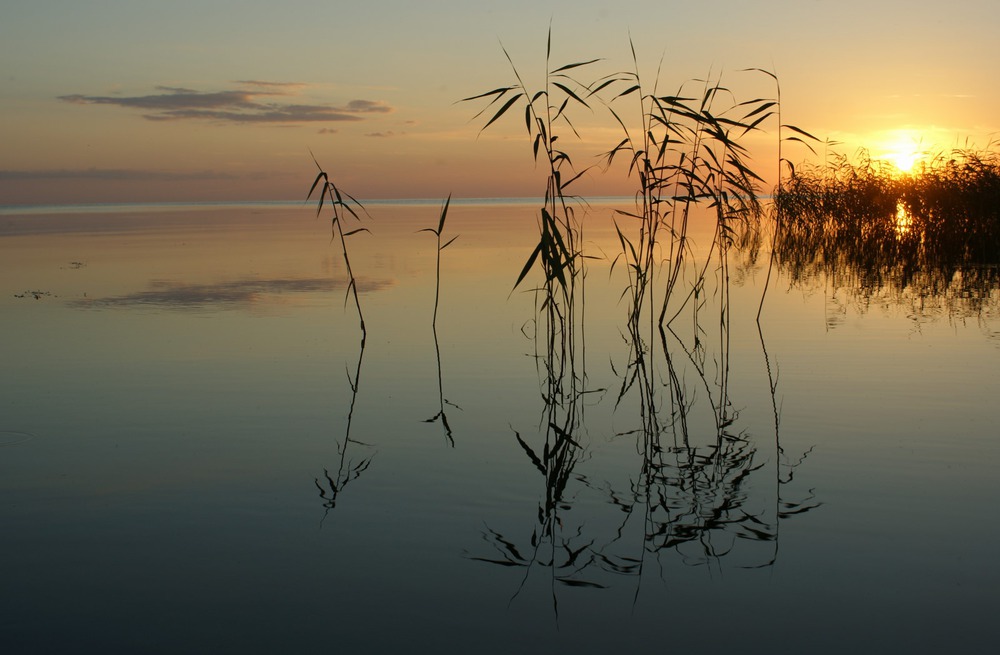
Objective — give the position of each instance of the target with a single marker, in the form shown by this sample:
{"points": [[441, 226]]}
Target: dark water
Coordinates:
{"points": [[197, 454]]}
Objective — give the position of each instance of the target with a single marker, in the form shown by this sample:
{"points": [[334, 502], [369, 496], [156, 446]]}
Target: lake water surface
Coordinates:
{"points": [[198, 453]]}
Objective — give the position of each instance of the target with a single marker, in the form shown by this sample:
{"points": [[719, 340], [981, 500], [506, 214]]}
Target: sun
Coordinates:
{"points": [[904, 161], [903, 149]]}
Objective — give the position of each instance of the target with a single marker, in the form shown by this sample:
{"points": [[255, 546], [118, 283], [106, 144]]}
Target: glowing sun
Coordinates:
{"points": [[903, 150]]}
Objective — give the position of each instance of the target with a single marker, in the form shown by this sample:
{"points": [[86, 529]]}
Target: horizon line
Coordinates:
{"points": [[86, 207]]}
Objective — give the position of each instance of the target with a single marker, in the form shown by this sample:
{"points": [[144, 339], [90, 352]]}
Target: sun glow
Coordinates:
{"points": [[903, 149]]}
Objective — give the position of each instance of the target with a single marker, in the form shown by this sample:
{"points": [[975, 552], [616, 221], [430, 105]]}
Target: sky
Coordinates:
{"points": [[131, 101]]}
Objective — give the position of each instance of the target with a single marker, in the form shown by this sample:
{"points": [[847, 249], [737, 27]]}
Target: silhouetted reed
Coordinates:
{"points": [[437, 232], [687, 154], [340, 203], [558, 252], [690, 163], [922, 236], [696, 477], [441, 415]]}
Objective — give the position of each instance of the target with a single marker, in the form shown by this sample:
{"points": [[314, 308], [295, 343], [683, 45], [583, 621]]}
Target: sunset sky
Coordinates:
{"points": [[124, 101]]}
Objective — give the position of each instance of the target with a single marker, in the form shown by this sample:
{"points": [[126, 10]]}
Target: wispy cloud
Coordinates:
{"points": [[259, 104], [368, 107], [271, 85]]}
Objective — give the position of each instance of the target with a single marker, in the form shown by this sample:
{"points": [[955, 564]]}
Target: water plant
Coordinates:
{"points": [[437, 232], [558, 252], [341, 204], [442, 401], [686, 153]]}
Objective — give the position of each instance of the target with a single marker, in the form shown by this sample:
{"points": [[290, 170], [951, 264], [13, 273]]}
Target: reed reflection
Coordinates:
{"points": [[442, 401], [704, 489], [347, 470], [556, 544], [700, 488]]}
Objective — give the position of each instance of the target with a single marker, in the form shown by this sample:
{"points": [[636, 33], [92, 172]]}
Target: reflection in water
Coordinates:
{"points": [[441, 416], [641, 501], [699, 497], [904, 221], [786, 506], [701, 488], [165, 293], [347, 470], [554, 544]]}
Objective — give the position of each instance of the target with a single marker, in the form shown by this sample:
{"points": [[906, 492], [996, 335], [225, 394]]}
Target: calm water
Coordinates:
{"points": [[197, 454]]}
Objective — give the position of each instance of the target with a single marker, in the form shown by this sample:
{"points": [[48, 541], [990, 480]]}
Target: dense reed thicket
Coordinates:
{"points": [[866, 225]]}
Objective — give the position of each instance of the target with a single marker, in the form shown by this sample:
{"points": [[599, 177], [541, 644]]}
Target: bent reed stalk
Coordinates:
{"points": [[340, 201]]}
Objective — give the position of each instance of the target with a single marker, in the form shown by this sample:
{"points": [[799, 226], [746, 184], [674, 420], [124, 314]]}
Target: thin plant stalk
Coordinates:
{"points": [[437, 233], [340, 202]]}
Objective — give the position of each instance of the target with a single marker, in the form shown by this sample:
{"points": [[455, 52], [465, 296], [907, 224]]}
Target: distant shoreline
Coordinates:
{"points": [[111, 207]]}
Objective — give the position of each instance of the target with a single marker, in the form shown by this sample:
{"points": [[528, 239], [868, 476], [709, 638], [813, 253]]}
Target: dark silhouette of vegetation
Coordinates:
{"points": [[341, 204], [687, 155], [437, 232], [703, 483], [866, 227], [441, 415]]}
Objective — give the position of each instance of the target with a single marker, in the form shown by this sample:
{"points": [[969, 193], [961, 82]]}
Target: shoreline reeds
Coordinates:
{"points": [[867, 226]]}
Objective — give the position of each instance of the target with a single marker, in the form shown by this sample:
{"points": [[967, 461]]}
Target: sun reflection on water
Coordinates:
{"points": [[904, 220]]}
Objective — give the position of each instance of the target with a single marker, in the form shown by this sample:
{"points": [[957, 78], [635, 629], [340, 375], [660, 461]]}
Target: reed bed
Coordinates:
{"points": [[696, 488], [867, 226], [685, 150]]}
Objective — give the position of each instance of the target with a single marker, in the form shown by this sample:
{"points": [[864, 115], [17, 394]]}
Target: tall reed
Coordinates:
{"points": [[341, 204], [685, 151], [437, 232], [558, 252]]}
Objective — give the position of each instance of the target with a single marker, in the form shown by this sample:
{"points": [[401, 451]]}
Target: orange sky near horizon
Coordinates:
{"points": [[110, 101]]}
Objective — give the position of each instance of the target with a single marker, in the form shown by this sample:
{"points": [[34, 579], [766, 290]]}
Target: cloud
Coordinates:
{"points": [[240, 106], [381, 135], [271, 85], [327, 130], [368, 107]]}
